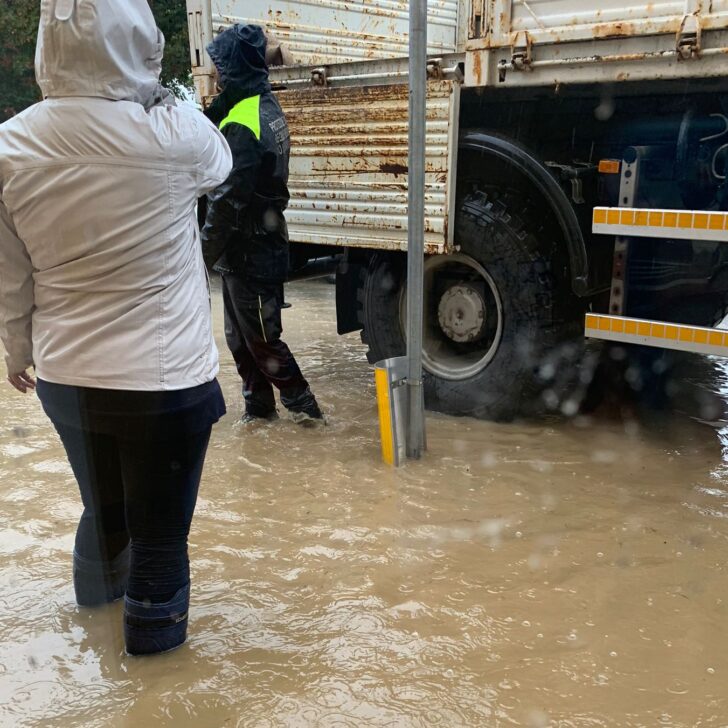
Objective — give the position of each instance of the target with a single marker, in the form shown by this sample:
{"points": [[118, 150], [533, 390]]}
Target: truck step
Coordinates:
{"points": [[660, 334], [648, 223]]}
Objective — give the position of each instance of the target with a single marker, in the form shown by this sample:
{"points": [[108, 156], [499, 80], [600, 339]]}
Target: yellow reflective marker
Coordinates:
{"points": [[659, 334], [386, 421], [675, 224]]}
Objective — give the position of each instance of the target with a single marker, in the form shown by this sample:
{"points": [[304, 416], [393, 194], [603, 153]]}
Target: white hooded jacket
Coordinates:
{"points": [[102, 282]]}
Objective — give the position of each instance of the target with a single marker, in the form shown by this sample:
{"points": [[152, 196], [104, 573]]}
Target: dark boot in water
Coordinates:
{"points": [[250, 419], [100, 582], [153, 628], [303, 407]]}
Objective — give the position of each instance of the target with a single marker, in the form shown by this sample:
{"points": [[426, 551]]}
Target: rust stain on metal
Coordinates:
{"points": [[628, 57], [613, 30], [477, 68], [395, 168], [503, 19]]}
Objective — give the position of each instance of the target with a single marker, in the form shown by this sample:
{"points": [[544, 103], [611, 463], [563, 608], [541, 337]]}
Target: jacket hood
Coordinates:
{"points": [[239, 56], [110, 49]]}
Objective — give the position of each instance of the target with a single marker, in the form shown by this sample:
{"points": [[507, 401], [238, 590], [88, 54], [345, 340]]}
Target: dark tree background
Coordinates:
{"points": [[18, 29], [171, 17]]}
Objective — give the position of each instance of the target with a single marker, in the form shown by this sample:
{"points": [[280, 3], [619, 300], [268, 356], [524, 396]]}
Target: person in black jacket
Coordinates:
{"points": [[244, 237]]}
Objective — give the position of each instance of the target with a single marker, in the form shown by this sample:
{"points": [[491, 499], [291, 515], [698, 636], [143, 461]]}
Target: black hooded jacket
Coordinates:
{"points": [[245, 231]]}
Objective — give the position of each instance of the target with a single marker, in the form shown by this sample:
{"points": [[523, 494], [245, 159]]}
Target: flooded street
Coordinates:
{"points": [[552, 574]]}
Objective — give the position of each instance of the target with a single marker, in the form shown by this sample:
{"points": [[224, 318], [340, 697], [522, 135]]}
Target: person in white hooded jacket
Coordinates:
{"points": [[103, 291]]}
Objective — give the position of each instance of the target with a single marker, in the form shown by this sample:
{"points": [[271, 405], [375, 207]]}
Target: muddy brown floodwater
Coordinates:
{"points": [[552, 574]]}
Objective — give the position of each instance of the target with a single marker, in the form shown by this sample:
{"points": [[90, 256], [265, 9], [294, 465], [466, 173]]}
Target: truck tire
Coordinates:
{"points": [[493, 345]]}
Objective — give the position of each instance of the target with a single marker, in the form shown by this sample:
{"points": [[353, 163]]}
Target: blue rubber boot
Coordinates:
{"points": [[153, 628], [100, 582]]}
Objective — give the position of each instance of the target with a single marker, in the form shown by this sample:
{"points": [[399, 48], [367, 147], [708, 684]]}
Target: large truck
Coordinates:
{"points": [[538, 112]]}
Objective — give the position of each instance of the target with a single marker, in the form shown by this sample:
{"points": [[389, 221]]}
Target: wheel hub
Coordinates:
{"points": [[462, 313], [463, 322]]}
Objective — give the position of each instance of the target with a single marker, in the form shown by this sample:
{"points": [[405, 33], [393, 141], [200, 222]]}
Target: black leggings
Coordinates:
{"points": [[137, 457], [139, 491]]}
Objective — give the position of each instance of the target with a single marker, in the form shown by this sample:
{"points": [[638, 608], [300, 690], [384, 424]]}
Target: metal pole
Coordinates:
{"points": [[416, 230]]}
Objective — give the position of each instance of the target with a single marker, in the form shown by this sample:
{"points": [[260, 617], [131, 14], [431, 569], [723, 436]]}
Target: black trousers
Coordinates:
{"points": [[253, 331]]}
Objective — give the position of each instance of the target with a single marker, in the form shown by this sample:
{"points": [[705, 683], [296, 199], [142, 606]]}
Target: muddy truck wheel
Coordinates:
{"points": [[494, 345]]}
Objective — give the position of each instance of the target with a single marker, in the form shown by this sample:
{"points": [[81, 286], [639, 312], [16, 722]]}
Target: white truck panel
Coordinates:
{"points": [[562, 21], [349, 165], [552, 42], [333, 31]]}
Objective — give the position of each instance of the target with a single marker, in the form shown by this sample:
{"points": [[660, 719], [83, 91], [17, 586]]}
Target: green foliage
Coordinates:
{"points": [[171, 18], [18, 30]]}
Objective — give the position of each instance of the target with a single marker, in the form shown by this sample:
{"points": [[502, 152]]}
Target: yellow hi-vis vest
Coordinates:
{"points": [[247, 114]]}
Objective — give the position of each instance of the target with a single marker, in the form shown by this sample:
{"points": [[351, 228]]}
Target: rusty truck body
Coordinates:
{"points": [[532, 107]]}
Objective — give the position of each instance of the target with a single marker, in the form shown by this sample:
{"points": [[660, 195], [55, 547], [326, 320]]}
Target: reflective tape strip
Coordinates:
{"points": [[681, 224], [260, 316], [658, 334]]}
